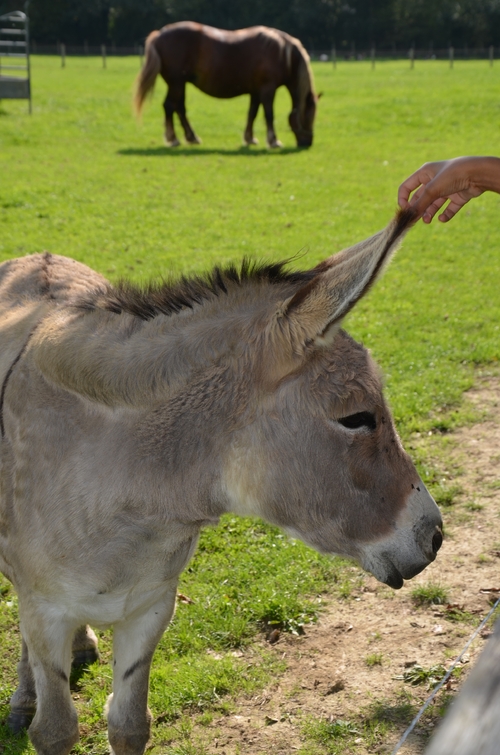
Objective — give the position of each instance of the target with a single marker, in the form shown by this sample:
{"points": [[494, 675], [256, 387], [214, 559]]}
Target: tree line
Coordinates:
{"points": [[320, 24]]}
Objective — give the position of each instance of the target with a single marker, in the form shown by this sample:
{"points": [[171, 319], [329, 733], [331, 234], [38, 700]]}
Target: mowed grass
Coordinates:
{"points": [[80, 177]]}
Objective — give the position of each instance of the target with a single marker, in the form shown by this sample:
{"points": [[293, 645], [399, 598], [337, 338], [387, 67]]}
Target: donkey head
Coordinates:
{"points": [[321, 456]]}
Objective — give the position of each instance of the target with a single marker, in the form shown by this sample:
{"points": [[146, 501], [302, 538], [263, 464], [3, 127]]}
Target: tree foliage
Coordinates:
{"points": [[347, 24]]}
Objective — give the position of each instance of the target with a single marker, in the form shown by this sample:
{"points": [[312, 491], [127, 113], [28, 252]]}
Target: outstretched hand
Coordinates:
{"points": [[456, 181]]}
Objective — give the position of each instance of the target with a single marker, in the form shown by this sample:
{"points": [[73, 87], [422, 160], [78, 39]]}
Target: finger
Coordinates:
{"points": [[431, 210], [416, 195], [406, 188], [454, 206]]}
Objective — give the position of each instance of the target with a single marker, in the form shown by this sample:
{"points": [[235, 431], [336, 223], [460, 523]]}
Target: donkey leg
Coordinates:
{"points": [[134, 642], [248, 136], [268, 101], [54, 729], [84, 647], [169, 108], [23, 701], [191, 137]]}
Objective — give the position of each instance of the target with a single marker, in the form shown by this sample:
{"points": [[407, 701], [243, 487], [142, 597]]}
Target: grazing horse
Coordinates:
{"points": [[225, 64], [130, 418]]}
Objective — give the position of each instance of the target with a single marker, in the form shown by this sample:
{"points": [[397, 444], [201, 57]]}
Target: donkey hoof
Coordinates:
{"points": [[19, 720], [85, 657]]}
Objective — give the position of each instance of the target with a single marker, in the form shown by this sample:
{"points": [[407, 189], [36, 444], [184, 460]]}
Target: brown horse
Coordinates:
{"points": [[225, 64]]}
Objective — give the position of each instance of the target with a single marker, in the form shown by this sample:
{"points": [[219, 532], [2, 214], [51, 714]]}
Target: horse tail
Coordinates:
{"points": [[147, 76]]}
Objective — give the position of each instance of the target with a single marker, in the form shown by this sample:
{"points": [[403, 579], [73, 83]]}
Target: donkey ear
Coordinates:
{"points": [[316, 310]]}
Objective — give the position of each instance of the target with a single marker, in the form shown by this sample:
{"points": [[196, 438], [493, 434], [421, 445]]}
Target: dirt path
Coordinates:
{"points": [[346, 667]]}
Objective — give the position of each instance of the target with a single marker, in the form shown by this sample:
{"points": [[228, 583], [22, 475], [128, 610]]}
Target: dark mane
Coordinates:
{"points": [[167, 298]]}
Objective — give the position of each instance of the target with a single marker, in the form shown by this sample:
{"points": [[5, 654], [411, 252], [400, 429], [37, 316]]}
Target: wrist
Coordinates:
{"points": [[484, 172]]}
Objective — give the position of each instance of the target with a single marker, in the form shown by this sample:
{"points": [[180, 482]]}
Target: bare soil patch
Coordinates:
{"points": [[349, 665]]}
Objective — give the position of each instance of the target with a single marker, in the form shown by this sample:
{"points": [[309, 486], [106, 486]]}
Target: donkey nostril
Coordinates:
{"points": [[437, 541]]}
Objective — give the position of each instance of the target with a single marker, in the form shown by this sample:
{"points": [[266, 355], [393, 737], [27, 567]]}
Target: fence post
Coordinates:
{"points": [[373, 57], [451, 56], [334, 56], [63, 55], [492, 49], [412, 56], [103, 53]]}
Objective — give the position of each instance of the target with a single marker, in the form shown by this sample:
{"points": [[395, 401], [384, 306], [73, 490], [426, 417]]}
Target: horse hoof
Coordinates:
{"points": [[19, 720], [173, 143], [276, 144], [85, 657], [194, 140], [251, 141]]}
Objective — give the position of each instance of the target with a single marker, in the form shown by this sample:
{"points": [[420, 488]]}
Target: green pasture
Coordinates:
{"points": [[80, 177]]}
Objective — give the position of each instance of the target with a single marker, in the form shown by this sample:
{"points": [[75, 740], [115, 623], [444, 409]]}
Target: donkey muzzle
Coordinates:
{"points": [[411, 546]]}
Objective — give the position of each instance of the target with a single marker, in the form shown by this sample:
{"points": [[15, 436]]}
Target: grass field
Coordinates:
{"points": [[80, 177]]}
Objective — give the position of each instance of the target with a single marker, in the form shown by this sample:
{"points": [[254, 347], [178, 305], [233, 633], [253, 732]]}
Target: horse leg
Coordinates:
{"points": [[23, 701], [170, 108], [84, 647], [191, 137], [267, 98], [134, 642], [54, 729], [248, 136]]}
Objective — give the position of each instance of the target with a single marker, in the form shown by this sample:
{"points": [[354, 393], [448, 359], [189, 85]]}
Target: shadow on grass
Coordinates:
{"points": [[385, 717], [194, 151], [396, 715], [76, 676], [12, 744]]}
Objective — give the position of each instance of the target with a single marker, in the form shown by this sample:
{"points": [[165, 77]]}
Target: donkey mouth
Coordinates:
{"points": [[395, 578]]}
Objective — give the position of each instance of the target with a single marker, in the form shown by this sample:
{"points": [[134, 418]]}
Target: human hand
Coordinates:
{"points": [[457, 180]]}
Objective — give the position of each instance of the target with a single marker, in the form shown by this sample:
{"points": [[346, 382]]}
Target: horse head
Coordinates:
{"points": [[301, 119]]}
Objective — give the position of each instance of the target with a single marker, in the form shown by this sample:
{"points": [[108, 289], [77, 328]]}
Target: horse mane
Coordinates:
{"points": [[305, 77], [167, 298]]}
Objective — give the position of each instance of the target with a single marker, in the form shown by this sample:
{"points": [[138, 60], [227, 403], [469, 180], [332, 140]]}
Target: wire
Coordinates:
{"points": [[443, 681]]}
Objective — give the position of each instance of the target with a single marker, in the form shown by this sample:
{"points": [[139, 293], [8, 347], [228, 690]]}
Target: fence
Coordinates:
{"points": [[83, 50], [463, 53], [412, 54], [14, 57]]}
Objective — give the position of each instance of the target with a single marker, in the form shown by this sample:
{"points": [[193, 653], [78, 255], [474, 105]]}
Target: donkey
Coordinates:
{"points": [[131, 418], [225, 64]]}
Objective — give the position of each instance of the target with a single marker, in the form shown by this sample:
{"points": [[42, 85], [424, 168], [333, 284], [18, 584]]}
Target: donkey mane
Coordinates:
{"points": [[166, 297]]}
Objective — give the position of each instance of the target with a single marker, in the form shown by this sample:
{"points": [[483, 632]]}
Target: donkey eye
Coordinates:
{"points": [[361, 419]]}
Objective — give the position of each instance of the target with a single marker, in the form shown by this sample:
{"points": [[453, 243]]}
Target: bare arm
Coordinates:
{"points": [[455, 180]]}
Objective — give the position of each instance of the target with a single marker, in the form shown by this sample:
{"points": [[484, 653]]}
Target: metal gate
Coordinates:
{"points": [[15, 80]]}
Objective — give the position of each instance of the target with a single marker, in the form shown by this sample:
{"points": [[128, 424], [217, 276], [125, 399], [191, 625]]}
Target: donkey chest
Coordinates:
{"points": [[103, 606], [101, 585]]}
